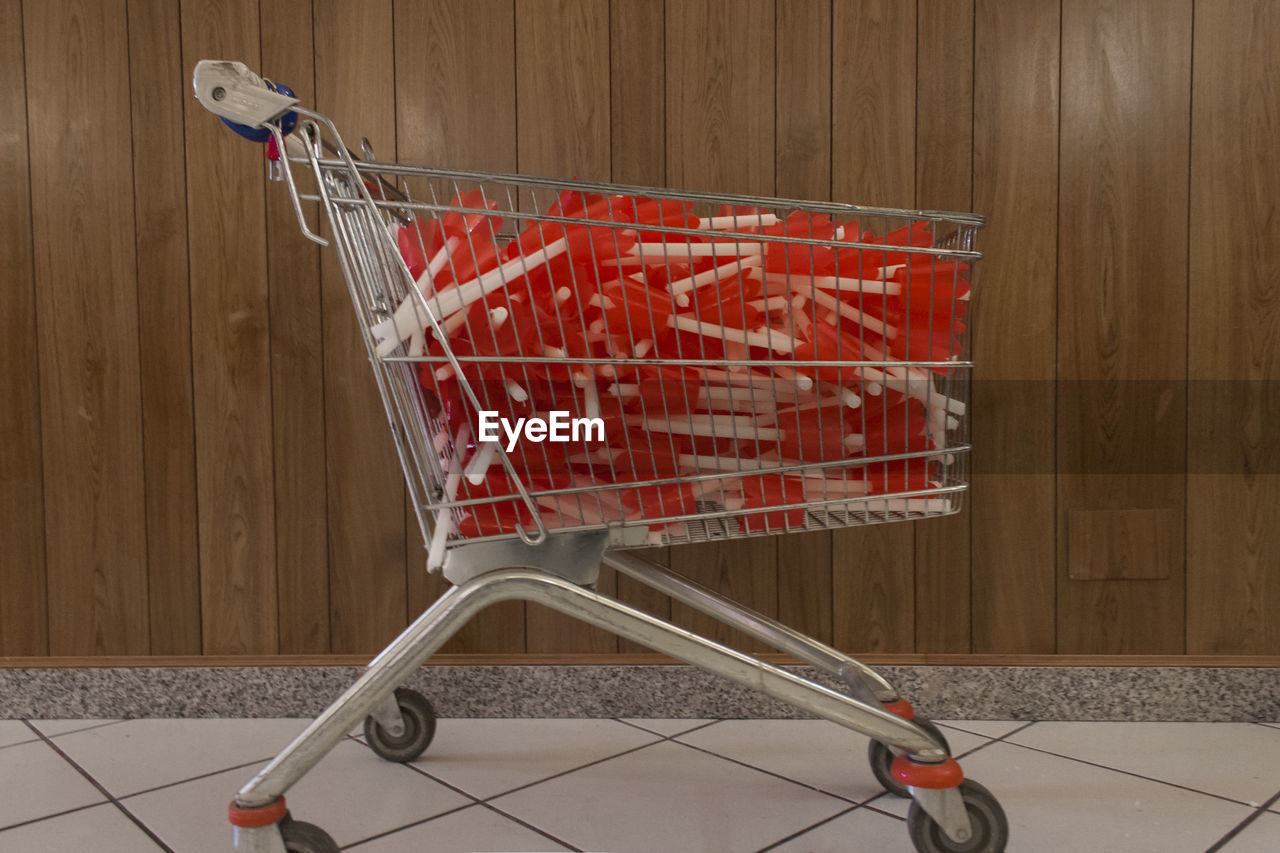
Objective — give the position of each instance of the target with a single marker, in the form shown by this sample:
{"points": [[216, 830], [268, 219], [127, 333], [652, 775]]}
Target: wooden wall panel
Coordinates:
{"points": [[944, 181], [297, 366], [164, 326], [24, 628], [802, 169], [231, 370], [438, 84], [1123, 305], [637, 142], [87, 310], [562, 87], [1015, 184], [720, 126], [167, 460], [366, 494], [873, 138], [1233, 493]]}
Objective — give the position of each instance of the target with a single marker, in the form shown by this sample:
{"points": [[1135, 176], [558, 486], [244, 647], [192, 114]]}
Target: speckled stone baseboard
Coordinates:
{"points": [[1239, 694]]}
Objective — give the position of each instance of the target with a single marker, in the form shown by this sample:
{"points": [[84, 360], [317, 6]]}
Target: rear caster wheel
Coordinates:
{"points": [[880, 757], [302, 837], [990, 827], [419, 729]]}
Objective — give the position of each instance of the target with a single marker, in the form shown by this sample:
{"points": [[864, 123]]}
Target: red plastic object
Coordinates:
{"points": [[253, 818], [918, 774]]}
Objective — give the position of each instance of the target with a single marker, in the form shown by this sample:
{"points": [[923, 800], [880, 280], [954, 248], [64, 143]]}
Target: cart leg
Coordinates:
{"points": [[863, 681]]}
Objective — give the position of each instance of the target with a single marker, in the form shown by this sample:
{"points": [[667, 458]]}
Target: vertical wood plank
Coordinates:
{"points": [[23, 605], [562, 94], [944, 181], [873, 162], [1123, 305], [720, 76], [1233, 495], [156, 79], [439, 84], [1015, 157], [802, 169], [297, 366], [355, 74], [86, 285], [720, 134], [230, 354], [637, 142]]}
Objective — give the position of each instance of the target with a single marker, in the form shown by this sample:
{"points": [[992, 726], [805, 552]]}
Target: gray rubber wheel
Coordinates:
{"points": [[302, 837], [880, 757], [990, 827], [419, 729]]}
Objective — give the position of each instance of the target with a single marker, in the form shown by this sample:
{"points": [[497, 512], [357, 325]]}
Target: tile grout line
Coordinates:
{"points": [[475, 801], [59, 734], [1242, 825], [253, 763], [801, 832], [1186, 788], [95, 783], [28, 822]]}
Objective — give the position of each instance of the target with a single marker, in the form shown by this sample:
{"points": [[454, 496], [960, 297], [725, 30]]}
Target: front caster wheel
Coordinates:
{"points": [[880, 757], [302, 837], [419, 728], [990, 827]]}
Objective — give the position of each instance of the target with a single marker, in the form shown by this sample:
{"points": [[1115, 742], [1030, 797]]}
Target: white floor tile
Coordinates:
{"points": [[53, 728], [139, 754], [986, 728], [15, 731], [351, 794], [1190, 754], [1055, 804], [814, 752], [1261, 836], [35, 781], [669, 797], [859, 830], [101, 829], [488, 757], [473, 828], [668, 728]]}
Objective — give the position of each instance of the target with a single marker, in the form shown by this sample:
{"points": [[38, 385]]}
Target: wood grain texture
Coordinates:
{"points": [[1122, 310], [802, 169], [1121, 544], [720, 119], [1233, 495], [438, 84], [720, 116], [637, 143], [873, 137], [86, 286], [230, 355], [164, 326], [944, 181], [297, 366], [1015, 165], [24, 628], [355, 75], [563, 92]]}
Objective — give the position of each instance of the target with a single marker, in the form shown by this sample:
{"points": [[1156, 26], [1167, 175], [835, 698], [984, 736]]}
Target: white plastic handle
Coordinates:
{"points": [[232, 91]]}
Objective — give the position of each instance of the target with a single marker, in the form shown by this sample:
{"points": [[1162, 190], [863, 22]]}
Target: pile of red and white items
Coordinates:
{"points": [[608, 286]]}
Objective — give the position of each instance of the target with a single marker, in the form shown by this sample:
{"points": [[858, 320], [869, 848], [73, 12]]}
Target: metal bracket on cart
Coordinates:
{"points": [[946, 806], [572, 556]]}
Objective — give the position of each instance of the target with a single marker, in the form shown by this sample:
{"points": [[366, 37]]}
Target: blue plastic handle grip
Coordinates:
{"points": [[286, 122]]}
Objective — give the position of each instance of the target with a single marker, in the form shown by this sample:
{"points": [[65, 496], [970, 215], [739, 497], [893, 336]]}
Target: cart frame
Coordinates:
{"points": [[557, 567]]}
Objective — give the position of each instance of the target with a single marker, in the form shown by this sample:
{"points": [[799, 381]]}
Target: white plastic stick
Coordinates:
{"points": [[755, 220], [464, 294], [480, 461], [720, 426], [763, 337], [444, 516], [828, 301], [716, 248]]}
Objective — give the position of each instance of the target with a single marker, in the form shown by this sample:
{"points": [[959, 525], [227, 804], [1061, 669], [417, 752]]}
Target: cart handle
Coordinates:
{"points": [[242, 99]]}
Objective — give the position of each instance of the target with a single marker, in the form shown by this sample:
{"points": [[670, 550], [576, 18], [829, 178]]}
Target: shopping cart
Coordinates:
{"points": [[717, 366]]}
